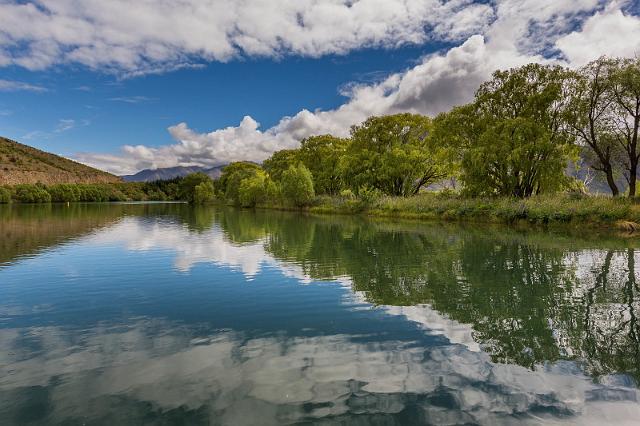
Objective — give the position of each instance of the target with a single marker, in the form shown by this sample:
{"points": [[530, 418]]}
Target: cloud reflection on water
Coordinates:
{"points": [[155, 365], [280, 379]]}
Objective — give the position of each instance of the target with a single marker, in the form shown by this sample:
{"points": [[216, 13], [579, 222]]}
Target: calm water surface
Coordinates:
{"points": [[165, 314]]}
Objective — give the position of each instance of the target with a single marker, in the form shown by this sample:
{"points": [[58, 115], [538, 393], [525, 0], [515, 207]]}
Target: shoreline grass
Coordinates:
{"points": [[559, 210]]}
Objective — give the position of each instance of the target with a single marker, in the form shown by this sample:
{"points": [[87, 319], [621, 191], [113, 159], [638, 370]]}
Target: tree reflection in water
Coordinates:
{"points": [[538, 304], [530, 297]]}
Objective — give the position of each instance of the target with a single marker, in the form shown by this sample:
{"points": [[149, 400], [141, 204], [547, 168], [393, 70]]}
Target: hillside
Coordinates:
{"points": [[23, 164], [150, 175]]}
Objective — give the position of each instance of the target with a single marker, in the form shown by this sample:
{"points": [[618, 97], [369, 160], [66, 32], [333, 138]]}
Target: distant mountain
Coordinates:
{"points": [[23, 164], [150, 175]]}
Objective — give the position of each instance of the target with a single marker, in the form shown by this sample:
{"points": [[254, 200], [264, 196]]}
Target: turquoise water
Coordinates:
{"points": [[166, 314]]}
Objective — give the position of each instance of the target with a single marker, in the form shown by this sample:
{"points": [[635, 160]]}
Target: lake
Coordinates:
{"points": [[167, 314]]}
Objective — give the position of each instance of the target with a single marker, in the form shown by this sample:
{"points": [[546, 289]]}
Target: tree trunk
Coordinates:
{"points": [[633, 157], [611, 182], [633, 170]]}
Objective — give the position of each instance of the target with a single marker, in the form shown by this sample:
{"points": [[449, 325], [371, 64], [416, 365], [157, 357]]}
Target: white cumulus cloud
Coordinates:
{"points": [[151, 35], [610, 33], [518, 32]]}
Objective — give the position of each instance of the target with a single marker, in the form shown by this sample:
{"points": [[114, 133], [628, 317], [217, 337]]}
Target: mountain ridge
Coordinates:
{"points": [[165, 173]]}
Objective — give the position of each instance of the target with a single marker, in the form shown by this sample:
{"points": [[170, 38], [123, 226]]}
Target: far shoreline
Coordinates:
{"points": [[555, 212]]}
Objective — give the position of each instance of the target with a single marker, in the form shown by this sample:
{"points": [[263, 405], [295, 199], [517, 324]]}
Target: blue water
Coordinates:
{"points": [[165, 314]]}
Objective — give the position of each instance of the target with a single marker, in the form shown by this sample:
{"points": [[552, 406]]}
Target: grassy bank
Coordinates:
{"points": [[549, 210], [596, 211]]}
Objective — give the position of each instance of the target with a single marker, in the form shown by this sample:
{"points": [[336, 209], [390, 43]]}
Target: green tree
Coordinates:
{"points": [[510, 140], [321, 155], [203, 192], [587, 117], [166, 189], [279, 162], [297, 185], [625, 114], [254, 189], [394, 154], [188, 185], [232, 175]]}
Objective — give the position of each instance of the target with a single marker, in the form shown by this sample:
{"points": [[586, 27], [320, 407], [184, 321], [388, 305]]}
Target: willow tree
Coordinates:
{"points": [[321, 155], [393, 154], [279, 162], [510, 140], [297, 185], [228, 185]]}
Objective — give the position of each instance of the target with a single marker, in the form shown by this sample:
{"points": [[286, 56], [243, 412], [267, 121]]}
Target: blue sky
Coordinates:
{"points": [[126, 86], [109, 111]]}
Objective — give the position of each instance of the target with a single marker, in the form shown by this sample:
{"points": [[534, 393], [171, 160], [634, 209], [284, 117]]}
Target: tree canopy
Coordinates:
{"points": [[393, 154], [510, 140], [625, 114], [188, 188], [228, 185], [297, 185], [321, 155], [587, 117], [516, 138], [279, 162]]}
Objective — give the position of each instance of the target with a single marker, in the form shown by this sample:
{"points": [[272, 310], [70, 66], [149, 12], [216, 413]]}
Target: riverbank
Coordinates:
{"points": [[559, 210], [548, 210]]}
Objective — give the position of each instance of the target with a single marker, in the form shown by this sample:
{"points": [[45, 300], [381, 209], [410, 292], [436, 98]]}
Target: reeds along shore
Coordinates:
{"points": [[556, 210]]}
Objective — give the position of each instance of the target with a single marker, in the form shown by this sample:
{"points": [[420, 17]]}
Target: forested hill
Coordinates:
{"points": [[23, 164]]}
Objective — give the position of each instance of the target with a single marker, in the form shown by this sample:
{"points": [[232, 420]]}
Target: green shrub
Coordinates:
{"points": [[132, 191], [369, 195], [27, 193], [5, 195], [153, 194], [297, 186], [447, 193], [162, 190], [64, 193], [99, 193], [103, 192], [347, 194]]}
